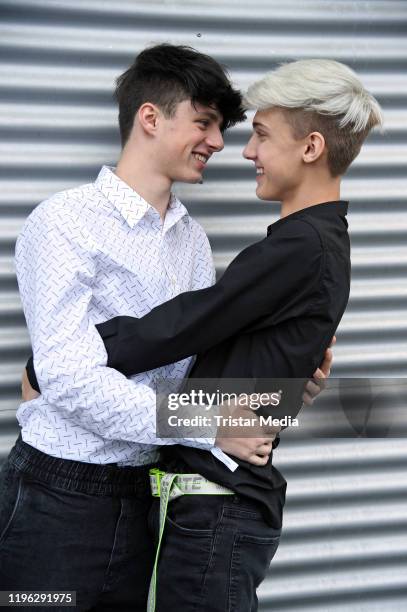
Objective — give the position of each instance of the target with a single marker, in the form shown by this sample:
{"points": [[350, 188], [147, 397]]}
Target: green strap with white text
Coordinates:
{"points": [[169, 486]]}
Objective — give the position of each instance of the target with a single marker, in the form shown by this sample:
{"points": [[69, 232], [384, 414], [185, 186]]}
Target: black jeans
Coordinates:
{"points": [[72, 526], [216, 551]]}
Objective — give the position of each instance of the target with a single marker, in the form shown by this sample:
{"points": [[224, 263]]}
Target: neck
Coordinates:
{"points": [[140, 174], [317, 192]]}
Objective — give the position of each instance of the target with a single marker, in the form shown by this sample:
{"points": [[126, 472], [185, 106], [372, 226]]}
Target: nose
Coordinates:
{"points": [[249, 152], [215, 139]]}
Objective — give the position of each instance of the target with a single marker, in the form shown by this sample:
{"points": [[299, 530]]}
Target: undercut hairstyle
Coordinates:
{"points": [[321, 96], [166, 75]]}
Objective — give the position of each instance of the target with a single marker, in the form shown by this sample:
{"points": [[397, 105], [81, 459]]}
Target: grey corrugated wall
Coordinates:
{"points": [[345, 539]]}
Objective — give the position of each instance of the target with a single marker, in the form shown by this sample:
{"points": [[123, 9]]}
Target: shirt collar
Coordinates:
{"points": [[175, 211], [130, 204], [339, 207]]}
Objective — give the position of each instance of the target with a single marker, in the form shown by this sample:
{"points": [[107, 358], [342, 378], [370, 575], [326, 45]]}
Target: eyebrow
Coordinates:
{"points": [[257, 124], [211, 115]]}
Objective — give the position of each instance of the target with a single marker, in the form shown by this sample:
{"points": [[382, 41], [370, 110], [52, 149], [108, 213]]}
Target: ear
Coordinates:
{"points": [[148, 115], [314, 147]]}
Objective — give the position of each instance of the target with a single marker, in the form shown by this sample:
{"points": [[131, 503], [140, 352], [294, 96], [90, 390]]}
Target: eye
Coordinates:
{"points": [[203, 122]]}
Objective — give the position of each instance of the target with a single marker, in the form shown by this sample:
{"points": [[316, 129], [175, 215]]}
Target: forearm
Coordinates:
{"points": [[192, 322], [265, 280], [106, 403]]}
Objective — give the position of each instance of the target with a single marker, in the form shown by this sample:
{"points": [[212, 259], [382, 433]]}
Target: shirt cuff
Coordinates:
{"points": [[225, 459]]}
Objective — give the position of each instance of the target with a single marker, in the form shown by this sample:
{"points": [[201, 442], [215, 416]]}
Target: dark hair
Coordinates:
{"points": [[168, 74]]}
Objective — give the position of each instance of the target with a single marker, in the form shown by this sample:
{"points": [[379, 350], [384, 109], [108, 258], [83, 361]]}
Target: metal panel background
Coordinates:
{"points": [[345, 539]]}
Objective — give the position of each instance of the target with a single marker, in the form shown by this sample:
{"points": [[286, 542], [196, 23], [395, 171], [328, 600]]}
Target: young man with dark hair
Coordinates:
{"points": [[74, 492], [166, 75], [171, 139], [272, 314]]}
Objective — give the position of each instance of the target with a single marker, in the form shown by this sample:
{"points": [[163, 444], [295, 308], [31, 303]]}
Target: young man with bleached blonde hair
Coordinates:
{"points": [[323, 99], [272, 314]]}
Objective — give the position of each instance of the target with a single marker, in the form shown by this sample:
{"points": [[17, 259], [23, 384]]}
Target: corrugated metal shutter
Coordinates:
{"points": [[345, 540]]}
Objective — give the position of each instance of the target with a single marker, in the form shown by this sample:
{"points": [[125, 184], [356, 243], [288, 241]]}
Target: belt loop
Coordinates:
{"points": [[155, 480]]}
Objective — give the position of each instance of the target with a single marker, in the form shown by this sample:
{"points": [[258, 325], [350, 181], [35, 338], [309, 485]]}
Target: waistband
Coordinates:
{"points": [[184, 484], [107, 480]]}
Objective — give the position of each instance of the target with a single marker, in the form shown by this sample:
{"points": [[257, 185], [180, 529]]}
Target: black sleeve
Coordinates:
{"points": [[31, 374], [270, 278]]}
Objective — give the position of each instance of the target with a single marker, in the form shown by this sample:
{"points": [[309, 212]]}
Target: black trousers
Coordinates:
{"points": [[216, 551], [72, 526]]}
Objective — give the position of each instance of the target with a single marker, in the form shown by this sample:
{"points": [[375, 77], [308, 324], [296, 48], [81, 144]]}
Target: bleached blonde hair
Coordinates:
{"points": [[321, 95]]}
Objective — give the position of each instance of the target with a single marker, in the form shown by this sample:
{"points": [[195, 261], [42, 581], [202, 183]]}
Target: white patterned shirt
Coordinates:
{"points": [[84, 256]]}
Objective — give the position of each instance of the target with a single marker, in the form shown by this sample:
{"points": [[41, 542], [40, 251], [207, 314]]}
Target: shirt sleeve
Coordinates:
{"points": [[272, 278], [56, 262], [204, 274]]}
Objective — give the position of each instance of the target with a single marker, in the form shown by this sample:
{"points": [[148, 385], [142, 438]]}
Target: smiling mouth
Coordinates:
{"points": [[259, 171], [200, 157]]}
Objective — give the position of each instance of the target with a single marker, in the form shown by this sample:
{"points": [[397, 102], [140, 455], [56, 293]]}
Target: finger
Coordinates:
{"points": [[264, 451], [256, 460], [322, 372], [266, 447], [258, 446], [270, 432], [317, 384], [333, 341], [320, 385], [325, 367], [262, 441], [307, 399], [313, 388]]}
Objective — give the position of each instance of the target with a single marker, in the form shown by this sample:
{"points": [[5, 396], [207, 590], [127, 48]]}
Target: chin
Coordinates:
{"points": [[263, 195], [197, 179], [189, 178]]}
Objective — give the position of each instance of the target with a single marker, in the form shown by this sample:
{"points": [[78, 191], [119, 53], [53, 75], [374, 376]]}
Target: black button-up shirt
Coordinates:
{"points": [[271, 315]]}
